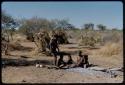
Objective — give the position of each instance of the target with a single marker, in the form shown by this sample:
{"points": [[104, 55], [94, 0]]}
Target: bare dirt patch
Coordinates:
{"points": [[30, 74]]}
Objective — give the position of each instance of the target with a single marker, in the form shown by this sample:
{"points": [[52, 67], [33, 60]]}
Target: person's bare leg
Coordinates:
{"points": [[85, 66], [55, 60], [73, 66]]}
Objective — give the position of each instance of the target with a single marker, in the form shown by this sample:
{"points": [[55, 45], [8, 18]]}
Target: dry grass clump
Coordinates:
{"points": [[110, 49]]}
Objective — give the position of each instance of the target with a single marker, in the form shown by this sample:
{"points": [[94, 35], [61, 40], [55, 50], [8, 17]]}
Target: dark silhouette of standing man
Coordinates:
{"points": [[54, 49]]}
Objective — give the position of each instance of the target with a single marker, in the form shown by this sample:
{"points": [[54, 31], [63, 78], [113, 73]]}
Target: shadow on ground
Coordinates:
{"points": [[71, 52], [23, 62], [19, 48]]}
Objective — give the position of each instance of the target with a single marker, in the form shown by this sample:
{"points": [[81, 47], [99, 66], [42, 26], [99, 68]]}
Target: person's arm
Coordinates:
{"points": [[50, 44], [79, 61], [58, 47]]}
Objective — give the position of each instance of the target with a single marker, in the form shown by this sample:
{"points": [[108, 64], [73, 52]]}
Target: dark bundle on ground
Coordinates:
{"points": [[61, 36]]}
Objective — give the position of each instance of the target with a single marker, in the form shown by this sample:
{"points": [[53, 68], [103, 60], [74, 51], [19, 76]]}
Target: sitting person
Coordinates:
{"points": [[82, 60], [86, 62], [61, 63], [70, 61]]}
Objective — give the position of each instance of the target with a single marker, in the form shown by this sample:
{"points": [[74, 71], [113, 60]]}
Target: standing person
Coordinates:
{"points": [[54, 49]]}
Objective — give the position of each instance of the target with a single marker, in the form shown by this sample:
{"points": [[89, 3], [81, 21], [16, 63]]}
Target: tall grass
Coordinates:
{"points": [[111, 49]]}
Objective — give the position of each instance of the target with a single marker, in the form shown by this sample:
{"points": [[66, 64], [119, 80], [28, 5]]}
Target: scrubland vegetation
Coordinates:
{"points": [[98, 40]]}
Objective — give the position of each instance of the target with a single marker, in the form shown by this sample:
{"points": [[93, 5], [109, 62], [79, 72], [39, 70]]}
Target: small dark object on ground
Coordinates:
{"points": [[22, 56], [23, 80]]}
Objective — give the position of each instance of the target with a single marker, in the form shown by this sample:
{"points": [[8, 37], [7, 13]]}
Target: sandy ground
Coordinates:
{"points": [[31, 74]]}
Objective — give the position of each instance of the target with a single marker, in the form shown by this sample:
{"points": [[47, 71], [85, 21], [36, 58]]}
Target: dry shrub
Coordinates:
{"points": [[110, 49], [90, 38], [30, 37], [93, 38], [46, 36], [42, 40], [111, 36], [61, 36], [74, 34]]}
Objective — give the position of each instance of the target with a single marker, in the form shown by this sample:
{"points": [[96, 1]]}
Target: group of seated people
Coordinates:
{"points": [[82, 60]]}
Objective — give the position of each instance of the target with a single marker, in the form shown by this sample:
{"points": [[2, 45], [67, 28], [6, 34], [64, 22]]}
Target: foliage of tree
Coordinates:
{"points": [[88, 26], [63, 24], [36, 24], [33, 25], [101, 27], [8, 24]]}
